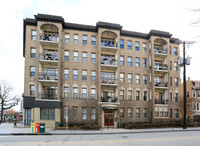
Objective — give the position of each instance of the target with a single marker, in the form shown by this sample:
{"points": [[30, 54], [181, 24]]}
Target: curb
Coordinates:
{"points": [[99, 133]]}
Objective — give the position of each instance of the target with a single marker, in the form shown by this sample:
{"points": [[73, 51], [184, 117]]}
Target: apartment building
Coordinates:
{"points": [[99, 74], [192, 98]]}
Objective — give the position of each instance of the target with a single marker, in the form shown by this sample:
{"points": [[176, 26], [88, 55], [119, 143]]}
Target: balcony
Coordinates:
{"points": [[109, 99], [160, 51], [48, 96], [48, 58], [109, 82], [159, 101], [109, 63], [48, 77], [49, 39], [162, 85], [108, 45], [161, 68]]}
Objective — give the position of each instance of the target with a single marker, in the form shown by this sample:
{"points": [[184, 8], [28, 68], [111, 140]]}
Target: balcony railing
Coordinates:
{"points": [[109, 62], [161, 67], [52, 56], [160, 50], [49, 37], [48, 76], [112, 99], [164, 102], [161, 84], [108, 43], [109, 81], [44, 95]]}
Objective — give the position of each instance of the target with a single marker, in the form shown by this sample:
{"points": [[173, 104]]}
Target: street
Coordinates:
{"points": [[184, 138]]}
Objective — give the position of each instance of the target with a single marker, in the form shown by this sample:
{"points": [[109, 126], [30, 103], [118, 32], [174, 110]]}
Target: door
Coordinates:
{"points": [[108, 120], [27, 119]]}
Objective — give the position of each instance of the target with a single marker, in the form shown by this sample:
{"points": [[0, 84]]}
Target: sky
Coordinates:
{"points": [[174, 16]]}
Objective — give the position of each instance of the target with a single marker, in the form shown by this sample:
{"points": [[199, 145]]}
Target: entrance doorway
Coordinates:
{"points": [[108, 118]]}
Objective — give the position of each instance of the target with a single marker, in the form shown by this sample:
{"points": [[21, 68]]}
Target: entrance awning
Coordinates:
{"points": [[110, 108]]}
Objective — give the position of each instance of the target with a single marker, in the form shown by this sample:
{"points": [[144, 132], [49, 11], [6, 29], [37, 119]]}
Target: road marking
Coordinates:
{"points": [[116, 141]]}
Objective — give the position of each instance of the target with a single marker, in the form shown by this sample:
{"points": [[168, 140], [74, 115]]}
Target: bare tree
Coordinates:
{"points": [[7, 101]]}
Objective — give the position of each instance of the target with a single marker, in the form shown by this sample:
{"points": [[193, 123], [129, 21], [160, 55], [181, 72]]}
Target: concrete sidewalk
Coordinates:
{"points": [[9, 129]]}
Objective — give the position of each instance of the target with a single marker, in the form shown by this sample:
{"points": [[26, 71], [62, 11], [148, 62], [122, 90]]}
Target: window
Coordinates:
{"points": [[84, 40], [32, 90], [129, 78], [121, 60], [165, 112], [176, 81], [194, 94], [75, 39], [84, 75], [161, 112], [188, 94], [175, 66], [66, 91], [66, 74], [33, 34], [121, 113], [130, 112], [145, 79], [93, 40], [93, 58], [156, 112], [137, 95], [144, 63], [33, 52], [130, 95], [137, 62], [93, 93], [122, 77], [170, 81], [76, 56], [84, 59], [176, 97], [121, 94], [137, 79], [145, 95], [137, 112], [75, 92], [67, 38], [84, 93], [32, 73], [144, 47], [66, 111], [175, 51], [93, 114], [171, 96], [129, 61], [75, 112], [121, 44], [176, 113], [84, 113], [198, 92], [75, 74], [66, 55], [129, 45], [47, 114], [170, 50], [93, 76], [170, 65], [137, 46], [145, 112]]}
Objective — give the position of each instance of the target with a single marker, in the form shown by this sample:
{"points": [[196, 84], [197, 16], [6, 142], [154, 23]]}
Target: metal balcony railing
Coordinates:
{"points": [[109, 80], [108, 43], [53, 56], [159, 101], [48, 76], [160, 50], [46, 95], [53, 37], [161, 84], [109, 62], [112, 99], [161, 67]]}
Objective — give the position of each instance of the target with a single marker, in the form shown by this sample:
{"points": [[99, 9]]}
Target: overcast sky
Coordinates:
{"points": [[173, 16]]}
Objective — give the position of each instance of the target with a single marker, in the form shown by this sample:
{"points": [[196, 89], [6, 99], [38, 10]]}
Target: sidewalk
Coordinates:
{"points": [[9, 129]]}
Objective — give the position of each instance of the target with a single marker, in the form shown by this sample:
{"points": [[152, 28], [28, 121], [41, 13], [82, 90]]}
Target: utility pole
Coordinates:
{"points": [[183, 62]]}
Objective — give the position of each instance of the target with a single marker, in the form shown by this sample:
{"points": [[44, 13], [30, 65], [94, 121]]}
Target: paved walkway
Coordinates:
{"points": [[8, 129]]}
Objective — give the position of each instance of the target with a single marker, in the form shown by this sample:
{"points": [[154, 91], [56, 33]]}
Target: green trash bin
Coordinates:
{"points": [[42, 127]]}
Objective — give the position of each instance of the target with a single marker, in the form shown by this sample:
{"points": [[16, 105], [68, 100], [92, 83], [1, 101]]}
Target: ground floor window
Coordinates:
{"points": [[27, 118], [47, 114]]}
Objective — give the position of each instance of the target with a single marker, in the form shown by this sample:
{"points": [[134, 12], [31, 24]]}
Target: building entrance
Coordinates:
{"points": [[108, 118]]}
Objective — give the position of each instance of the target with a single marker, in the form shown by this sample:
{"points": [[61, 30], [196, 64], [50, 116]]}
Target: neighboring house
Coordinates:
{"points": [[100, 74], [193, 99]]}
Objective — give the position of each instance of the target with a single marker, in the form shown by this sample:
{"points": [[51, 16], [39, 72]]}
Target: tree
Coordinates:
{"points": [[7, 100]]}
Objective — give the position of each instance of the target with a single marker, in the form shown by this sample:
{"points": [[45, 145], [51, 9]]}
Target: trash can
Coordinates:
{"points": [[38, 127], [42, 127], [32, 127]]}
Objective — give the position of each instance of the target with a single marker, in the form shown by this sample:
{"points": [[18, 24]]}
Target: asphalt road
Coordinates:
{"points": [[186, 138]]}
